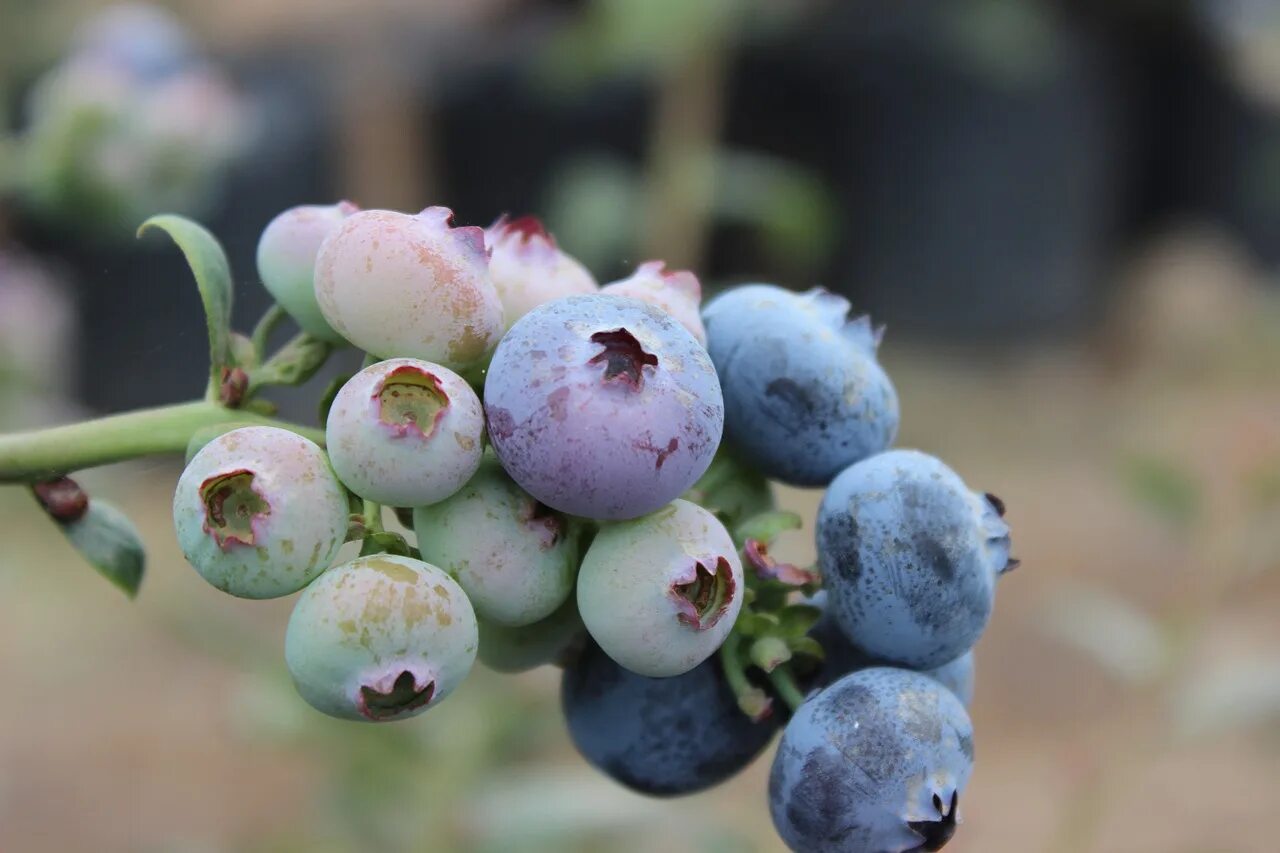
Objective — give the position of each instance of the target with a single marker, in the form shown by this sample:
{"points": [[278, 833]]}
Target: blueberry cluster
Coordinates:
{"points": [[586, 471]]}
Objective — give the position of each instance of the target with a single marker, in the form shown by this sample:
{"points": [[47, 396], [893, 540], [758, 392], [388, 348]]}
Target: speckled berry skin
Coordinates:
{"points": [[840, 658], [677, 292], [602, 406], [658, 736], [380, 638], [660, 593], [910, 558], [528, 268], [804, 395], [410, 285], [405, 432], [259, 513], [520, 649], [515, 559], [876, 763], [286, 256]]}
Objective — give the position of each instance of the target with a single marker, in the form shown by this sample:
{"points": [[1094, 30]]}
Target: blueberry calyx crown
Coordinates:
{"points": [[231, 505], [703, 598], [401, 697], [411, 400], [623, 357], [542, 519], [936, 833]]}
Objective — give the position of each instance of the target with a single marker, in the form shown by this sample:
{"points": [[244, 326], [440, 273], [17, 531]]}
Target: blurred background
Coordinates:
{"points": [[1067, 212]]}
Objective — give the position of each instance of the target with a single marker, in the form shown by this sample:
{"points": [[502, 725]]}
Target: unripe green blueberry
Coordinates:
{"points": [[676, 292], [405, 432], [396, 284], [515, 558], [380, 638], [259, 513], [287, 261], [507, 649], [660, 593], [528, 268]]}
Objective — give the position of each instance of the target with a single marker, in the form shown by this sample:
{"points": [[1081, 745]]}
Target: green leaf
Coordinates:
{"points": [[806, 647], [756, 624], [107, 539], [1165, 487], [769, 652], [795, 620], [765, 527], [212, 272]]}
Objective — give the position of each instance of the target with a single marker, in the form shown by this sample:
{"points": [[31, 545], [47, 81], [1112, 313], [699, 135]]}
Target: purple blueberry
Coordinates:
{"points": [[804, 395], [405, 432], [259, 513], [658, 736], [286, 257], [602, 406], [380, 638], [910, 558], [515, 558], [661, 593], [876, 763]]}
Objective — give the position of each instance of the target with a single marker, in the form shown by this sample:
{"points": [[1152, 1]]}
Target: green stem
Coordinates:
{"points": [[751, 699], [265, 326], [373, 517], [785, 685], [46, 453]]}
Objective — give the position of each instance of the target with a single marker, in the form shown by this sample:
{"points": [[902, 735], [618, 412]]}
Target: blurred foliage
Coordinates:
{"points": [[1164, 487]]}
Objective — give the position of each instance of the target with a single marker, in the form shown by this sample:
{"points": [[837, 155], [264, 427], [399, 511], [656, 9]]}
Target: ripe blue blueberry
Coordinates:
{"points": [[259, 513], [602, 406], [804, 395], [660, 593], [875, 763], [518, 649], [405, 432], [400, 285], [380, 638], [515, 558], [910, 558], [528, 268], [676, 292], [287, 253], [840, 658], [658, 736]]}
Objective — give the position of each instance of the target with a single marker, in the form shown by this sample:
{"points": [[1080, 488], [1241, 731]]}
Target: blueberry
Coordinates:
{"points": [[676, 292], [380, 638], [875, 763], [660, 593], [910, 558], [658, 736], [517, 649], [602, 406], [804, 395], [286, 256], [528, 268], [515, 558], [840, 658], [405, 432], [259, 513], [412, 286]]}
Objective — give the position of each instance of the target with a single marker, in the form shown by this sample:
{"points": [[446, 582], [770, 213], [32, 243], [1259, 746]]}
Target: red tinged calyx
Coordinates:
{"points": [[401, 697], [703, 595], [525, 227], [411, 401], [231, 506], [62, 499], [623, 357], [766, 567], [543, 520]]}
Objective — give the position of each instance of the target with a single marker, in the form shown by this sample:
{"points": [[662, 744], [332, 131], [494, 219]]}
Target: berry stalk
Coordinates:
{"points": [[44, 454]]}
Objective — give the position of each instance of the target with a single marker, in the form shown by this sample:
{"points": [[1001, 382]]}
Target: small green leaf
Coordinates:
{"points": [[806, 647], [212, 272], [769, 652], [795, 620], [756, 624], [107, 539], [766, 526], [1165, 487]]}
